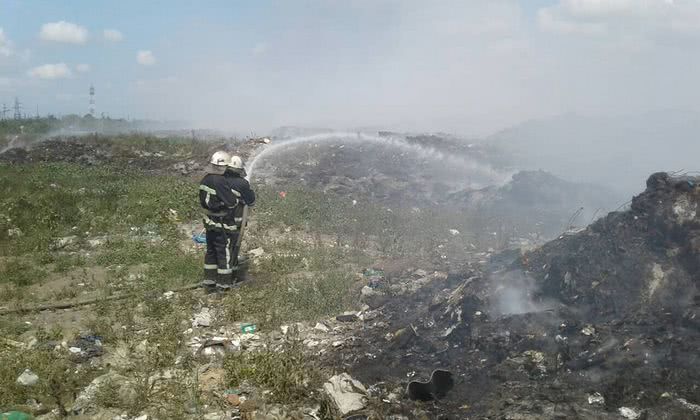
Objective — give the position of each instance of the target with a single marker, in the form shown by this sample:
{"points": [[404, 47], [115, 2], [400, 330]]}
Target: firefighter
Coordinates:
{"points": [[219, 202], [235, 175]]}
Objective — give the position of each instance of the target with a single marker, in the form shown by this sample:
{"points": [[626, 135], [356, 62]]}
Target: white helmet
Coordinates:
{"points": [[236, 164], [218, 162], [220, 158]]}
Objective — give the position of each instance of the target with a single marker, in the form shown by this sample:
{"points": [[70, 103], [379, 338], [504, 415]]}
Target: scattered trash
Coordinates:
{"points": [[248, 328], [347, 318], [588, 330], [200, 238], [28, 378], [232, 397], [454, 232], [440, 383], [169, 294], [596, 399], [122, 391], [321, 327], [374, 277], [202, 319], [629, 413], [14, 233], [348, 394], [695, 408], [256, 253], [15, 415]]}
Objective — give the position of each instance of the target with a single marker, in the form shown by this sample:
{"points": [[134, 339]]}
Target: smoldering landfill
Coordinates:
{"points": [[556, 322]]}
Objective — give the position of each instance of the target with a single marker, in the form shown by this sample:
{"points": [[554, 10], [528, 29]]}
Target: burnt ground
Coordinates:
{"points": [[604, 323]]}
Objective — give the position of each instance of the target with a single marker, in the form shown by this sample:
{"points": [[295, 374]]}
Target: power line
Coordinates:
{"points": [[92, 100], [18, 109]]}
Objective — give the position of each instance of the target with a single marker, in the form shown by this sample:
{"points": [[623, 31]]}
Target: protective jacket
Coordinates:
{"points": [[239, 184], [216, 194]]}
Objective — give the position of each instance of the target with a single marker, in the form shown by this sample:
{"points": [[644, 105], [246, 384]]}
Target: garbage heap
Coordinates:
{"points": [[636, 263], [601, 323]]}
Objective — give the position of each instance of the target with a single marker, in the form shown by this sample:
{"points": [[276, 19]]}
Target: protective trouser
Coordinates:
{"points": [[221, 258]]}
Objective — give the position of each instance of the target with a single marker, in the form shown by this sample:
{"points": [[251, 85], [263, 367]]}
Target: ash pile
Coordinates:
{"points": [[603, 323]]}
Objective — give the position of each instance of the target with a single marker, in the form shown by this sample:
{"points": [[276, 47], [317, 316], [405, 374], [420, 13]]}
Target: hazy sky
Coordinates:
{"points": [[464, 66]]}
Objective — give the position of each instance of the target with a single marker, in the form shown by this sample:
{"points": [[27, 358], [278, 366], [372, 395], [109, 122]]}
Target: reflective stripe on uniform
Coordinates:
{"points": [[229, 227], [228, 251], [222, 225], [225, 271], [207, 189], [210, 266], [236, 193]]}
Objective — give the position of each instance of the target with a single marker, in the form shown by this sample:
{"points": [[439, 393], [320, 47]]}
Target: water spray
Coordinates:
{"points": [[393, 142]]}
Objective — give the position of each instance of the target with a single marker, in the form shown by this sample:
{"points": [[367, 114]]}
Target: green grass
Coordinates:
{"points": [[21, 273], [85, 201], [59, 379], [287, 373]]}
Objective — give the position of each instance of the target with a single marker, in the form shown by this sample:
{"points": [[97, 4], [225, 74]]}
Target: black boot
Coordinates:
{"points": [[225, 282]]}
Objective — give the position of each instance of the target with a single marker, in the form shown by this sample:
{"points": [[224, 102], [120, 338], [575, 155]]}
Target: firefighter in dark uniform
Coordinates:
{"points": [[235, 175], [219, 204]]}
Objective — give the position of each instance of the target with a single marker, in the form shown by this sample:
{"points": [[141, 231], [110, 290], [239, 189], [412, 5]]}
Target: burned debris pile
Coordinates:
{"points": [[645, 259], [600, 323]]}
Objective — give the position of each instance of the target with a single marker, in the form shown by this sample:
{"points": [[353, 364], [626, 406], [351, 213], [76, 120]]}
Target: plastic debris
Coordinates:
{"points": [[202, 319], [629, 413], [15, 415], [248, 328], [28, 378], [596, 399], [347, 318], [440, 383], [348, 394], [200, 238]]}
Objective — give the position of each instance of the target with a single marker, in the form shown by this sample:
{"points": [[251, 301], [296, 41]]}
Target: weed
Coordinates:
{"points": [[21, 273], [65, 262], [286, 373], [59, 378]]}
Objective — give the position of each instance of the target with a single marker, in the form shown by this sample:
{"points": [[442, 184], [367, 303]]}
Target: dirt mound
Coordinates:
{"points": [[646, 258], [142, 152]]}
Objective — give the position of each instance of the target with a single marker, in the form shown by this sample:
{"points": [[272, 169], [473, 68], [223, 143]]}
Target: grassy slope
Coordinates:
{"points": [[315, 247]]}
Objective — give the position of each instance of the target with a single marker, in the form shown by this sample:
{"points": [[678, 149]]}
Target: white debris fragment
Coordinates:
{"points": [[347, 393], [169, 294], [75, 350], [256, 253], [629, 413], [596, 399], [28, 378], [284, 329], [321, 327], [695, 408], [203, 318], [454, 232], [588, 330]]}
